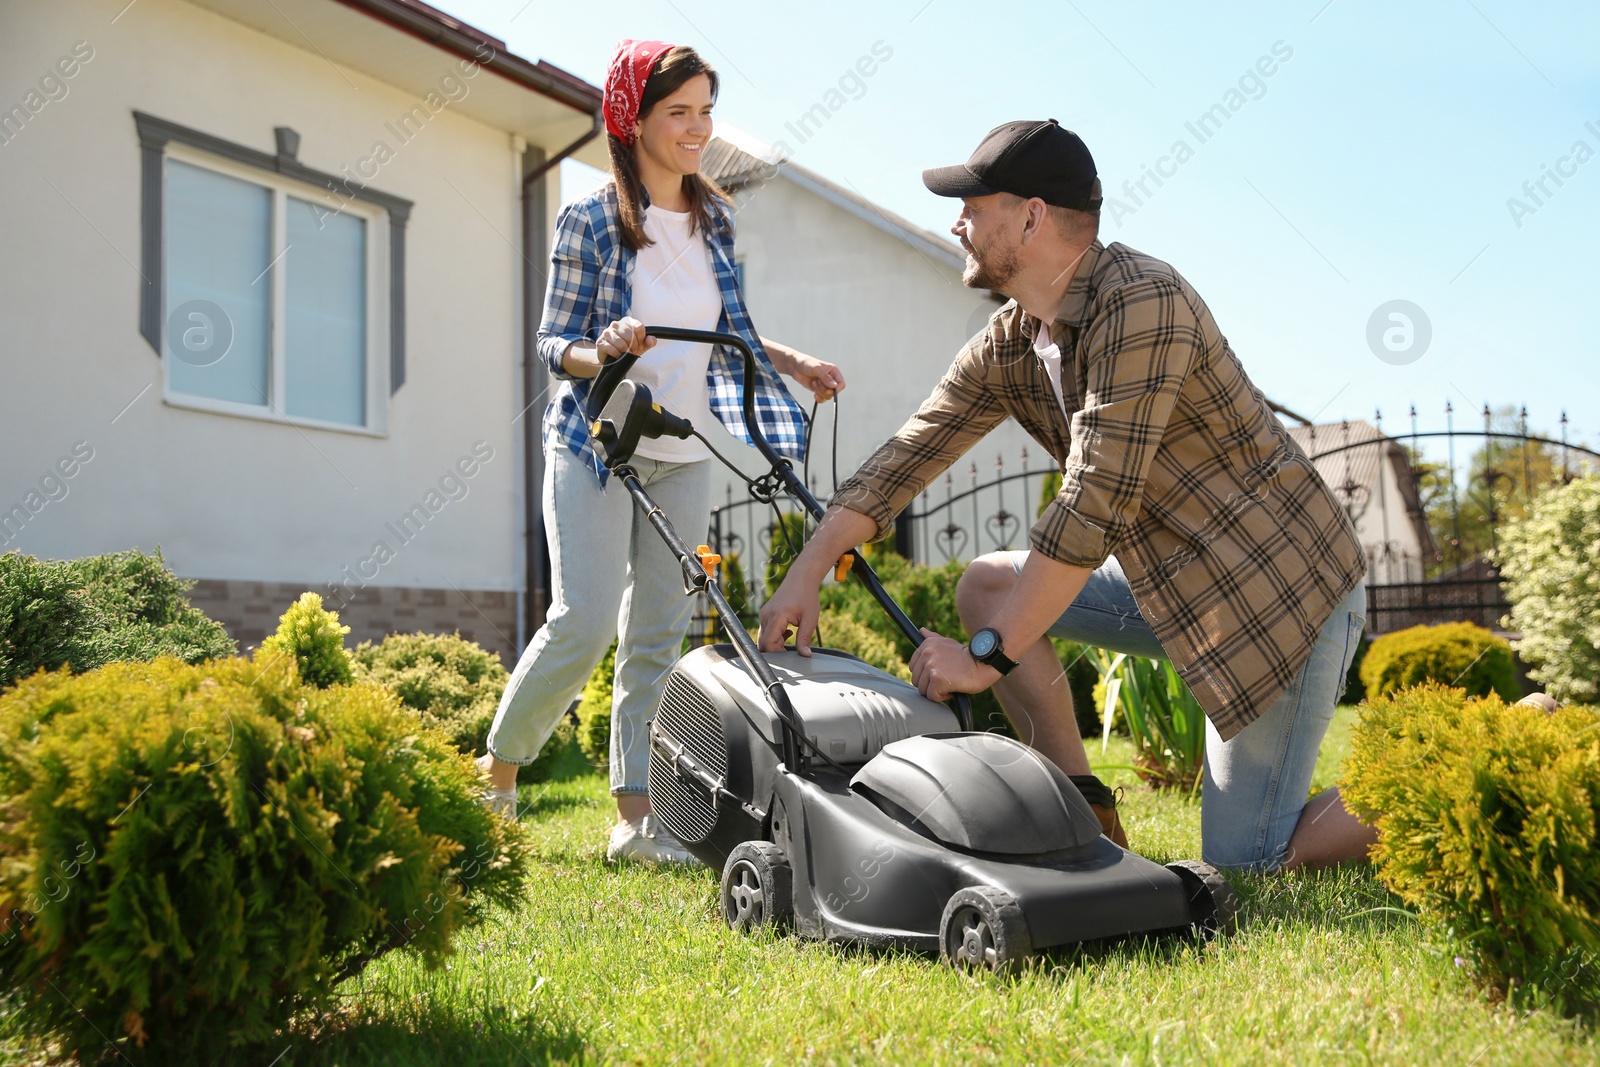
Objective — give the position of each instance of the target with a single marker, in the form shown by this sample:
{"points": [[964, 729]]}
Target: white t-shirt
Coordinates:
{"points": [[1050, 355], [674, 285]]}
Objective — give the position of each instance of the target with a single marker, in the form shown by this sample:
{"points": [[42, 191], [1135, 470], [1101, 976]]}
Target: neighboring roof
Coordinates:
{"points": [[1348, 454], [734, 159], [548, 106]]}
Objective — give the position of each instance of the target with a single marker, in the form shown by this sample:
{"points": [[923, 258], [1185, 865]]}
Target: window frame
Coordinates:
{"points": [[283, 176]]}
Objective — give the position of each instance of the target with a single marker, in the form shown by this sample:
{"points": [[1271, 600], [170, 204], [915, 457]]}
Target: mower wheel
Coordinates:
{"points": [[1213, 908], [757, 888], [984, 928]]}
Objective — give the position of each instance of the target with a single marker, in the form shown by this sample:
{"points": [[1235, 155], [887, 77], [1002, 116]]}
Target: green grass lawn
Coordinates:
{"points": [[634, 966]]}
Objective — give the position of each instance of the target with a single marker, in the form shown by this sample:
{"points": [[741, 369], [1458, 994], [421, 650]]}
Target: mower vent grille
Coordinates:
{"points": [[689, 718]]}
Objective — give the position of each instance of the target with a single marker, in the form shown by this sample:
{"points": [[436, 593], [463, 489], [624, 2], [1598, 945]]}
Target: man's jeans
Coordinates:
{"points": [[1255, 785], [613, 578]]}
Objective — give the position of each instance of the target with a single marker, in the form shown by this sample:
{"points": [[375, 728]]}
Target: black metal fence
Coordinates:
{"points": [[1430, 526], [1394, 493]]}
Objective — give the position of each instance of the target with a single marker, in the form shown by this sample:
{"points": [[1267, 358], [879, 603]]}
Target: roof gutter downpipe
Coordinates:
{"points": [[534, 383]]}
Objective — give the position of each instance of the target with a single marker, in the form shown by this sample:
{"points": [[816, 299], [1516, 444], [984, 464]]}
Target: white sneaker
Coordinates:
{"points": [[501, 802], [648, 842]]}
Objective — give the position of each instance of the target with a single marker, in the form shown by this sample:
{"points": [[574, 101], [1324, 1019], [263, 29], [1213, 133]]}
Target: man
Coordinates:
{"points": [[1188, 526]]}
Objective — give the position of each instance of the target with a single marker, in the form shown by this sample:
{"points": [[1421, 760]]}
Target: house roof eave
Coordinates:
{"points": [[468, 42], [418, 50]]}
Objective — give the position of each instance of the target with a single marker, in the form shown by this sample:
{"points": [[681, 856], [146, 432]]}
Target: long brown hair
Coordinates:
{"points": [[675, 67]]}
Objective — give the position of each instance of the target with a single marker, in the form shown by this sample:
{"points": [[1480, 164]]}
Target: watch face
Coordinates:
{"points": [[984, 642]]}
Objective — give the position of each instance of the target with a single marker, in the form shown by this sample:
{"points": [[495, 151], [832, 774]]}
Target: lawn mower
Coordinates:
{"points": [[840, 803]]}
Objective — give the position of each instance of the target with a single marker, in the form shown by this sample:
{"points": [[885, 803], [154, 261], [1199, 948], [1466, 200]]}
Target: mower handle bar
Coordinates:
{"points": [[612, 374]]}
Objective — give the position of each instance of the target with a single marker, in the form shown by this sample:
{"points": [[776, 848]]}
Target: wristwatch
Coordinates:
{"points": [[985, 648]]}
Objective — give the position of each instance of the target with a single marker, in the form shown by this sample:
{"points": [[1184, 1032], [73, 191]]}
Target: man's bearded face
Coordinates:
{"points": [[992, 257], [991, 268]]}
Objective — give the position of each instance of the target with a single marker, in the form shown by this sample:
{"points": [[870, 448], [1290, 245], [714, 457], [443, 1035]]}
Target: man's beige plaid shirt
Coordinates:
{"points": [[1236, 550]]}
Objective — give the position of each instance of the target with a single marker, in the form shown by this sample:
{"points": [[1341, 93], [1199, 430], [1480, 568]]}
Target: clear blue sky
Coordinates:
{"points": [[1375, 162]]}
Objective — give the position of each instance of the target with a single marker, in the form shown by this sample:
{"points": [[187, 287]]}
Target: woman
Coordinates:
{"points": [[654, 245]]}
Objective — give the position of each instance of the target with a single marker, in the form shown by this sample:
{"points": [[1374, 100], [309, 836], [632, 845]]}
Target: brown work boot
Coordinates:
{"points": [[1104, 802]]}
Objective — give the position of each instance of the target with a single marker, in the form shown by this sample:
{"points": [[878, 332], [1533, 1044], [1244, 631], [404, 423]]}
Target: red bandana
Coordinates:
{"points": [[625, 78]]}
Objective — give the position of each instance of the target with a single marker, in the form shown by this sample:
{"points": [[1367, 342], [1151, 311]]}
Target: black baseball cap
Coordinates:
{"points": [[1026, 158]]}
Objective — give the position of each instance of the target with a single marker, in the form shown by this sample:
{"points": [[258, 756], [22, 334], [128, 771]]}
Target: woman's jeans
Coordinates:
{"points": [[1255, 785], [613, 577]]}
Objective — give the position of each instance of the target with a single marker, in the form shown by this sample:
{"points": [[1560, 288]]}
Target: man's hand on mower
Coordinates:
{"points": [[792, 607], [941, 666]]}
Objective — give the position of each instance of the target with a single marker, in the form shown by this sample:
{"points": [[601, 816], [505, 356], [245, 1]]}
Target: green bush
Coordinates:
{"points": [[1455, 654], [789, 534], [735, 586], [594, 711], [84, 613], [452, 683], [842, 632], [189, 855], [731, 580], [1049, 489], [1077, 661], [1355, 690], [1486, 817], [1548, 564], [311, 635], [455, 685]]}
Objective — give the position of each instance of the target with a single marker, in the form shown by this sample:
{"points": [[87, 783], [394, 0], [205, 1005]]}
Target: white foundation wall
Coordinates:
{"points": [[228, 497]]}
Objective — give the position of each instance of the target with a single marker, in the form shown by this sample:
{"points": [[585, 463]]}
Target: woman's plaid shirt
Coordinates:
{"points": [[591, 286], [1236, 550]]}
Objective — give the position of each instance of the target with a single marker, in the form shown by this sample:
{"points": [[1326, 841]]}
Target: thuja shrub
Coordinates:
{"points": [[313, 636], [1455, 654], [189, 855], [454, 685], [84, 613], [1486, 816]]}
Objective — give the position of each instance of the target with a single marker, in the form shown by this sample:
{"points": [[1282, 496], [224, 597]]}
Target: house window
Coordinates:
{"points": [[325, 321], [268, 294], [219, 300]]}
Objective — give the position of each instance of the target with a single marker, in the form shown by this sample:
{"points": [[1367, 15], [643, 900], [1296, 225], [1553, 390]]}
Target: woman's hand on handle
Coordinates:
{"points": [[624, 337], [583, 359], [821, 377], [818, 375]]}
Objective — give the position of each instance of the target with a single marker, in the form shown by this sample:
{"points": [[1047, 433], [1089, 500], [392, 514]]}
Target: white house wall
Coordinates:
{"points": [[229, 497]]}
